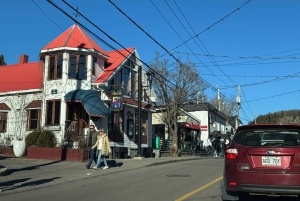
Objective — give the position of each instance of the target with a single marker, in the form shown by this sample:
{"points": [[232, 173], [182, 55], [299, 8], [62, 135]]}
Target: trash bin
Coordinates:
{"points": [[156, 142]]}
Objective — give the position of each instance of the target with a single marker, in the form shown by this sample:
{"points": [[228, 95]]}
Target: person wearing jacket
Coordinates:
{"points": [[103, 148], [91, 141]]}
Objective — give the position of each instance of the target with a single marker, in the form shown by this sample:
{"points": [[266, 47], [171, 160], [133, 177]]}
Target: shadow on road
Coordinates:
{"points": [[11, 185], [10, 171]]}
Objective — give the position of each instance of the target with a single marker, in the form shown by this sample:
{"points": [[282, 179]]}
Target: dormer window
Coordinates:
{"points": [[55, 67], [126, 77], [77, 67]]}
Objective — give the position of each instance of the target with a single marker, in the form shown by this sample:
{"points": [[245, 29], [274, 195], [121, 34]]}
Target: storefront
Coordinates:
{"points": [[189, 136]]}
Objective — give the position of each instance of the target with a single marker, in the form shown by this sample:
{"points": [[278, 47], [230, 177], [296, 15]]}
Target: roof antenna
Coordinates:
{"points": [[76, 14]]}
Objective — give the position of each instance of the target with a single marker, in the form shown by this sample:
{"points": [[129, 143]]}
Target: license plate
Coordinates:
{"points": [[271, 160]]}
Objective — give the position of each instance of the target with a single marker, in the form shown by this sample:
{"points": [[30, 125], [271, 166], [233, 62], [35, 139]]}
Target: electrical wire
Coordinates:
{"points": [[290, 92], [180, 36], [209, 27], [167, 51], [96, 36]]}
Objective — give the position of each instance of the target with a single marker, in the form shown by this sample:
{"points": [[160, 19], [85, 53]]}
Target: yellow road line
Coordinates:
{"points": [[199, 189]]}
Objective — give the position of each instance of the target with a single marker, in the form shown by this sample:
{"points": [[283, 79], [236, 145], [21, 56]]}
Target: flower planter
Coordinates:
{"points": [[47, 153], [19, 148], [7, 151], [79, 155]]}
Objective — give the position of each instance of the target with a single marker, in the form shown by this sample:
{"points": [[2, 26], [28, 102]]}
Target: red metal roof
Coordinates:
{"points": [[116, 59], [74, 37], [24, 76]]}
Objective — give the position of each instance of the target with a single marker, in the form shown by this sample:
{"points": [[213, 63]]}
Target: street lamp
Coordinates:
{"points": [[150, 75]]}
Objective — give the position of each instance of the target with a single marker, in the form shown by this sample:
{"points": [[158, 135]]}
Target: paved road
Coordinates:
{"points": [[154, 181], [27, 178], [27, 174]]}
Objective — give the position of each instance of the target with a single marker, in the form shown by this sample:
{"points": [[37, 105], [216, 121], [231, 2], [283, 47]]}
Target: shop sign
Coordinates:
{"points": [[117, 98], [182, 118], [203, 128], [51, 128]]}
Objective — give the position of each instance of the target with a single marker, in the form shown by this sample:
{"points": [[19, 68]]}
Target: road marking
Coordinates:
{"points": [[199, 189]]}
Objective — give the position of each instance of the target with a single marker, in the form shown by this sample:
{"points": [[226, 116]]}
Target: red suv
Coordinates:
{"points": [[262, 159]]}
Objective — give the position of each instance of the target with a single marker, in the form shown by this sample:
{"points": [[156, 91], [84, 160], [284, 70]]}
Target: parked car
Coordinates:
{"points": [[262, 159]]}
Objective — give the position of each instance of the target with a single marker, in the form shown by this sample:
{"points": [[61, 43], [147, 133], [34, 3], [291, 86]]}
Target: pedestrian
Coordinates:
{"points": [[103, 148], [209, 146], [92, 140]]}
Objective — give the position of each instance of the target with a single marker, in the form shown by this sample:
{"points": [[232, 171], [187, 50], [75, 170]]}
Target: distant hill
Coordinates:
{"points": [[284, 116]]}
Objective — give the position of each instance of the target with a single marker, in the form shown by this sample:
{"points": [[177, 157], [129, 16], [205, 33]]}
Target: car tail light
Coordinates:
{"points": [[231, 153], [232, 183]]}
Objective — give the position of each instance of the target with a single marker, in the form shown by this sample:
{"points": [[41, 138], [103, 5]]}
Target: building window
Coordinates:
{"points": [[144, 121], [144, 126], [55, 67], [94, 66], [77, 68], [33, 117], [116, 121], [116, 125], [53, 112], [133, 85], [3, 121], [126, 82], [116, 80], [128, 78]]}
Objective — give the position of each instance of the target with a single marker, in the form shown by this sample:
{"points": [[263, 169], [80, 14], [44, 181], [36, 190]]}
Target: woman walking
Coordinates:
{"points": [[103, 148]]}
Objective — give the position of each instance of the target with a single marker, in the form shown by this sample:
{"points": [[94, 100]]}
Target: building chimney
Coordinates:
{"points": [[23, 59]]}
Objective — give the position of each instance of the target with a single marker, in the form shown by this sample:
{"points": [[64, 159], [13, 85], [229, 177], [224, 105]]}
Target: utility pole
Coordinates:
{"points": [[238, 102], [219, 99], [139, 110]]}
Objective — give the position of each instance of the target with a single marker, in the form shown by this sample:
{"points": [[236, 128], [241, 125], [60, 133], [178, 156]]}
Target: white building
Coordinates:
{"points": [[212, 120], [70, 89]]}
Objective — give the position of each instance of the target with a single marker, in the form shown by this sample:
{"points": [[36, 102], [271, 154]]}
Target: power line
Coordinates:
{"points": [[251, 63], [98, 36], [251, 112], [265, 82], [208, 28], [242, 57], [179, 35], [251, 76], [210, 58], [106, 43], [290, 92], [167, 52]]}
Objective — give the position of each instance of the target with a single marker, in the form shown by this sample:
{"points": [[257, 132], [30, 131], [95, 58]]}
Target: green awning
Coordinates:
{"points": [[90, 100]]}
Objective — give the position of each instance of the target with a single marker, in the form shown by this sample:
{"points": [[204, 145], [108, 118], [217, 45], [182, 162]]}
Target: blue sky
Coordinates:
{"points": [[256, 47]]}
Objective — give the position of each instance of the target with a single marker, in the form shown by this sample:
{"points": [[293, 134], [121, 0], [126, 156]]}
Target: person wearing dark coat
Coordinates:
{"points": [[92, 140]]}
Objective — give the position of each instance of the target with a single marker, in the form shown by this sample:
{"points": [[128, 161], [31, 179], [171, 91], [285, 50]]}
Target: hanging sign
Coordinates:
{"points": [[117, 99]]}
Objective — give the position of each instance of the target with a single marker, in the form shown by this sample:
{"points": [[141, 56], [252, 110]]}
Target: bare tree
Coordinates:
{"points": [[228, 106], [173, 88], [2, 61]]}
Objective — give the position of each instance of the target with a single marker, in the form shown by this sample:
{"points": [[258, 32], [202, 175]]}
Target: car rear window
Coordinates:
{"points": [[268, 137]]}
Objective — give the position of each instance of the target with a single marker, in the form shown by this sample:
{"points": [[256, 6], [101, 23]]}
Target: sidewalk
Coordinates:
{"points": [[22, 174]]}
